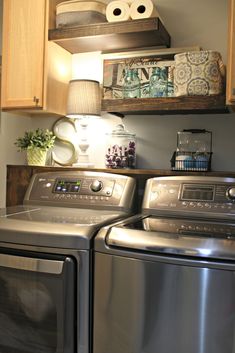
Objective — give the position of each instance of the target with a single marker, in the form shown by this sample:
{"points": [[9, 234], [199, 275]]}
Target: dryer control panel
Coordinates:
{"points": [[81, 189], [84, 186], [204, 196]]}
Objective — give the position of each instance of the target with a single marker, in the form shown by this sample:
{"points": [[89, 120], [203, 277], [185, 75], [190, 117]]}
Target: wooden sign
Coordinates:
{"points": [[114, 74], [144, 62]]}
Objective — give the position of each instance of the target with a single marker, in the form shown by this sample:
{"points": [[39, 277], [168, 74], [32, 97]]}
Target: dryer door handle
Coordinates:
{"points": [[31, 264]]}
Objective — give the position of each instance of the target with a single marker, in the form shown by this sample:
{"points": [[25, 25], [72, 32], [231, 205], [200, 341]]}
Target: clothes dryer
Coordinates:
{"points": [[46, 259]]}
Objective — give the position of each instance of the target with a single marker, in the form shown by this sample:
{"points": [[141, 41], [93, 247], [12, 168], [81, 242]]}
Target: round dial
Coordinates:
{"points": [[96, 185], [231, 193]]}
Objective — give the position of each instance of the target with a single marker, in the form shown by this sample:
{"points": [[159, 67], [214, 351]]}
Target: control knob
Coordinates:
{"points": [[96, 185], [231, 193]]}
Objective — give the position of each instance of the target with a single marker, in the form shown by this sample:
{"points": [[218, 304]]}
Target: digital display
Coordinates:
{"points": [[64, 186], [192, 192]]}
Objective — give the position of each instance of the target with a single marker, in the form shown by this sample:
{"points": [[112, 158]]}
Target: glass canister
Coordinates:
{"points": [[121, 148]]}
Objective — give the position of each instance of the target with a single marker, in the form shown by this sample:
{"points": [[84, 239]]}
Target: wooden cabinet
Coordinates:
{"points": [[35, 72], [230, 89]]}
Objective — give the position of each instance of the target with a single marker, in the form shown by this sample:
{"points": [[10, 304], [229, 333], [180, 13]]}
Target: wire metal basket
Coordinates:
{"points": [[194, 151], [191, 161]]}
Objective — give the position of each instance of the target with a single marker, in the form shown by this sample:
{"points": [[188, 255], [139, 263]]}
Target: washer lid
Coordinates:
{"points": [[53, 226], [168, 235]]}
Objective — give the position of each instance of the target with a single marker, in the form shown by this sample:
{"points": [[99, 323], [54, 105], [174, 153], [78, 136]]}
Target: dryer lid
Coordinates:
{"points": [[60, 227]]}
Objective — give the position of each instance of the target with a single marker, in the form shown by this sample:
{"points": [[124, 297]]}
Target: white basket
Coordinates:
{"points": [[77, 12]]}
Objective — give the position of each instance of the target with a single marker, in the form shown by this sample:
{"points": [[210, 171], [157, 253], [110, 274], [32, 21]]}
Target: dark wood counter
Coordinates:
{"points": [[18, 177]]}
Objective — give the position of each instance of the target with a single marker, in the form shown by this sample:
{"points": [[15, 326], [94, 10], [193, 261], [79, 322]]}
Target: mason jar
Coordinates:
{"points": [[120, 149], [158, 82], [131, 85]]}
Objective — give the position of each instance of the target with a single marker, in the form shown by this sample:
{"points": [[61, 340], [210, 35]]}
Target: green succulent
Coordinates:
{"points": [[40, 138]]}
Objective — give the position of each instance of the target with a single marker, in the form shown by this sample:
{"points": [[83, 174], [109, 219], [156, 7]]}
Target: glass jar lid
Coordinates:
{"points": [[120, 131]]}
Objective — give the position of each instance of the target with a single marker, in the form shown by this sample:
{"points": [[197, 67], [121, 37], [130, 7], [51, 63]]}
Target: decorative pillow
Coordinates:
{"points": [[198, 73]]}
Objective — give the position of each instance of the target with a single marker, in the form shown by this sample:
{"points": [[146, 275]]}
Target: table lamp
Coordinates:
{"points": [[84, 102]]}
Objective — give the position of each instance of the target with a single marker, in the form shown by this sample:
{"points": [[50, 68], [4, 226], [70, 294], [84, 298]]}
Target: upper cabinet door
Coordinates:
{"points": [[23, 53], [230, 89]]}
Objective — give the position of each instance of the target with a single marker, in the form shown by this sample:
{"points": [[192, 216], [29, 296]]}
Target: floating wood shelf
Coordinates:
{"points": [[128, 35], [166, 106], [112, 36]]}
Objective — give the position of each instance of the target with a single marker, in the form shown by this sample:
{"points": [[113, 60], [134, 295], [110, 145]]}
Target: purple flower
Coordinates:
{"points": [[131, 151], [132, 144]]}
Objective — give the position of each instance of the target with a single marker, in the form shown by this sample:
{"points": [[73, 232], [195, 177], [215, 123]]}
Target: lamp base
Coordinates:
{"points": [[83, 165], [83, 161]]}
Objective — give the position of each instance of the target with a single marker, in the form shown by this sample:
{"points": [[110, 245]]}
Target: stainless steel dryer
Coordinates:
{"points": [[46, 259], [165, 279]]}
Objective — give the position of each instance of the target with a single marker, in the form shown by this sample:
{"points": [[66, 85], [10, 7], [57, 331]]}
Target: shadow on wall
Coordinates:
{"points": [[200, 22]]}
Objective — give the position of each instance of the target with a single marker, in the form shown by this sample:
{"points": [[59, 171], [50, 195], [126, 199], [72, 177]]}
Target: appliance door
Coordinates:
{"points": [[36, 303], [163, 304]]}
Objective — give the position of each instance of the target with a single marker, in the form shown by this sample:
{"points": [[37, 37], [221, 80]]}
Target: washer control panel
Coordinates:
{"points": [[81, 189], [189, 227], [191, 194]]}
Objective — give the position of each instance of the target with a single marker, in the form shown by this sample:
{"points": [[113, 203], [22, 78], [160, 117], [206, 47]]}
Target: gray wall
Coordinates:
{"points": [[190, 23], [157, 138]]}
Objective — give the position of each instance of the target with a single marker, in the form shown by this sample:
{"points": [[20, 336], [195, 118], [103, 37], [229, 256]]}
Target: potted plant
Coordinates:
{"points": [[36, 144]]}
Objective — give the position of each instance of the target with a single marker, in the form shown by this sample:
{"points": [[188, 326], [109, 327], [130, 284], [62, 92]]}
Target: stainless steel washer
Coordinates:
{"points": [[165, 279], [46, 259]]}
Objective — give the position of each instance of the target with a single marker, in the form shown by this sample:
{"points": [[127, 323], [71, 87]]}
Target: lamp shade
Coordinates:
{"points": [[84, 98]]}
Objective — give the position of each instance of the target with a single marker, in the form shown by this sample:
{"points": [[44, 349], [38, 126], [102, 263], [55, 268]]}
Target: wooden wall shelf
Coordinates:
{"points": [[129, 35], [169, 105], [112, 36]]}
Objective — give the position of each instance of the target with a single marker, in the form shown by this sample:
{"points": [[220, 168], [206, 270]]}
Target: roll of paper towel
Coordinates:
{"points": [[143, 9], [129, 2], [117, 11]]}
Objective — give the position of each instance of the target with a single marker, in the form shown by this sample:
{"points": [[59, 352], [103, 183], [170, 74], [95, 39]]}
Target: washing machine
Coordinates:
{"points": [[165, 278], [46, 259]]}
